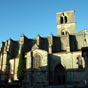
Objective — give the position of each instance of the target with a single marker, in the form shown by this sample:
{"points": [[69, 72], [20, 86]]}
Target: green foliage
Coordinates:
{"points": [[20, 72]]}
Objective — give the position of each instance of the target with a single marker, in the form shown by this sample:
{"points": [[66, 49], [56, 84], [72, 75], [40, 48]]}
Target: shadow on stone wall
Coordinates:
{"points": [[73, 43]]}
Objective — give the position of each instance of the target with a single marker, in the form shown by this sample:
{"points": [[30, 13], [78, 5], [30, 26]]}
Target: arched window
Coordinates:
{"points": [[64, 32], [63, 18], [67, 33], [36, 61], [79, 62]]}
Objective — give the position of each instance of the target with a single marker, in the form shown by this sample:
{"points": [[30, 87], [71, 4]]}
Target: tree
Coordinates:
{"points": [[20, 72]]}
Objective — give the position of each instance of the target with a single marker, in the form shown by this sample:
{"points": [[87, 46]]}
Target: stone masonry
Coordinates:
{"points": [[51, 60]]}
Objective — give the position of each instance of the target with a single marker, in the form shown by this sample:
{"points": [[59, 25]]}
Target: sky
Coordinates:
{"points": [[33, 17]]}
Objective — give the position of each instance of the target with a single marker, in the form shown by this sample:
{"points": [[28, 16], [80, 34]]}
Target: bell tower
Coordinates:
{"points": [[66, 22]]}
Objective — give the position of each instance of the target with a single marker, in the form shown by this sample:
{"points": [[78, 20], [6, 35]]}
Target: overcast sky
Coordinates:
{"points": [[33, 17]]}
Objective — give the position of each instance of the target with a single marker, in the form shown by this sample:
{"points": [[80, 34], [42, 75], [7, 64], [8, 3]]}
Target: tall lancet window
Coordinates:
{"points": [[36, 61], [63, 18]]}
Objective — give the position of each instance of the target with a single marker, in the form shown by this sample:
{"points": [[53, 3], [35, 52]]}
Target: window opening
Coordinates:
{"points": [[79, 62], [63, 18], [36, 61]]}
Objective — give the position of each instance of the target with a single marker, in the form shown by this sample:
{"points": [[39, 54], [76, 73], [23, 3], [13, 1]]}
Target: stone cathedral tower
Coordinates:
{"points": [[66, 22]]}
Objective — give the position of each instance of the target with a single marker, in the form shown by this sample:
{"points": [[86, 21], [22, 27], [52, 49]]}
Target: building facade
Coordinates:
{"points": [[48, 61]]}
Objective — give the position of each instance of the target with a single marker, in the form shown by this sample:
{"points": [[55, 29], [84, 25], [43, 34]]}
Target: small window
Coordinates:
{"points": [[67, 33], [62, 33], [79, 62]]}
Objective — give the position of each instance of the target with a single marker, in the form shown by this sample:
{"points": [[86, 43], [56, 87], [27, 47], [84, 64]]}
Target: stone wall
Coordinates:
{"points": [[65, 43], [37, 76], [69, 62], [13, 69]]}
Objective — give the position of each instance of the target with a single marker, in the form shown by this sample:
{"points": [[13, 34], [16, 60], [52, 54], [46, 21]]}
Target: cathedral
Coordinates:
{"points": [[48, 61]]}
